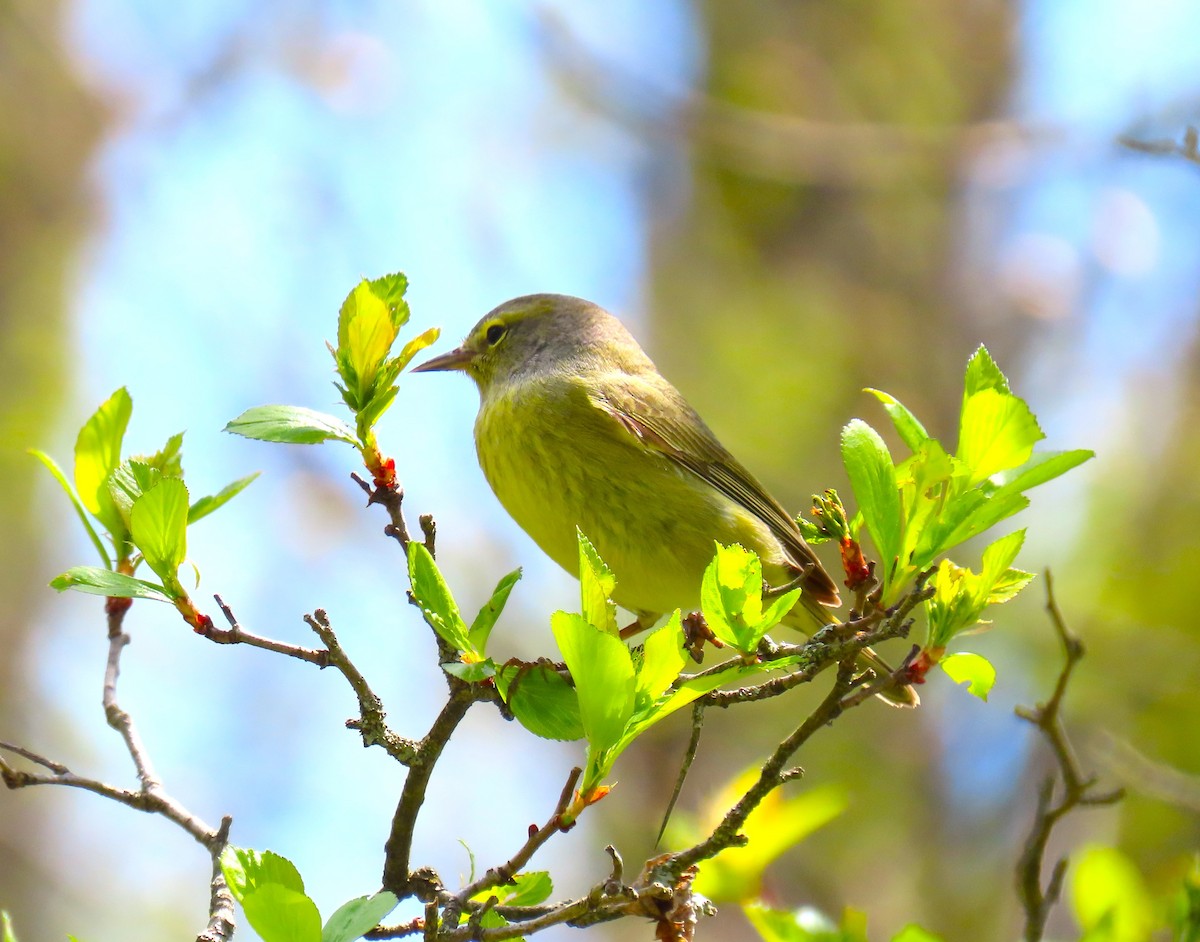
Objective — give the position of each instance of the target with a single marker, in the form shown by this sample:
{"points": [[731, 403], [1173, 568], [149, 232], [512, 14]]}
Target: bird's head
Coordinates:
{"points": [[538, 335]]}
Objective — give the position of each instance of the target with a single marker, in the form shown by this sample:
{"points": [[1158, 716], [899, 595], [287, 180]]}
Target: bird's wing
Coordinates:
{"points": [[681, 435]]}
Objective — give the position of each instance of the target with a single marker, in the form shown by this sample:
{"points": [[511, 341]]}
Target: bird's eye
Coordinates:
{"points": [[494, 333]]}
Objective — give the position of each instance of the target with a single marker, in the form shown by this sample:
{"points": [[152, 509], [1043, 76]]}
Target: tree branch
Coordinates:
{"points": [[1077, 791]]}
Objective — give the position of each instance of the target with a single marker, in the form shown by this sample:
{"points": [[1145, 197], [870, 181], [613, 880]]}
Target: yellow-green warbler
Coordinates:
{"points": [[577, 428]]}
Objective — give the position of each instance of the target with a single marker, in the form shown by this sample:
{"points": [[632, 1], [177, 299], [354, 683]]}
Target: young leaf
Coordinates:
{"points": [[997, 432], [290, 425], [279, 914], [482, 626], [596, 585], [541, 700], [471, 672], [111, 584], [129, 481], [974, 670], [602, 669], [731, 597], [663, 659], [983, 373], [873, 477], [1108, 892], [416, 345], [97, 453], [910, 429], [158, 527], [357, 917], [246, 870], [1042, 467], [434, 598], [57, 472], [531, 888], [206, 505]]}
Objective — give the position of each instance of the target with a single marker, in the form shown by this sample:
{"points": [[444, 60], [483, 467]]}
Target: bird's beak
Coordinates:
{"points": [[458, 359]]}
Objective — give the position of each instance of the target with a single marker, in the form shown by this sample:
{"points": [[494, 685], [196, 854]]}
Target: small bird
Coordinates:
{"points": [[577, 428]]}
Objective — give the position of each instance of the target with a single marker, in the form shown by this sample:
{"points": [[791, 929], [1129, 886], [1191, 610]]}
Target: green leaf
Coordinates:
{"points": [[910, 429], [471, 672], [357, 917], [731, 597], [158, 527], [279, 914], [206, 505], [997, 432], [367, 328], [97, 453], [246, 870], [1040, 468], [528, 889], [1109, 894], [779, 608], [601, 666], [416, 345], [169, 458], [434, 598], [129, 481], [663, 658], [105, 582], [291, 425], [914, 933], [999, 556], [803, 925], [6, 930], [541, 700], [972, 669], [983, 373], [52, 466], [873, 478], [596, 585], [481, 627]]}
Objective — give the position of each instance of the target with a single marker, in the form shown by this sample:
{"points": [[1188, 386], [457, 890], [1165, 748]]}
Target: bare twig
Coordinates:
{"points": [[1077, 791], [236, 634], [689, 757], [392, 500], [1188, 148], [371, 722]]}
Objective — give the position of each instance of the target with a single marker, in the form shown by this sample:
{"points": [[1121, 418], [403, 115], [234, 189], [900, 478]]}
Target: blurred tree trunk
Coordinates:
{"points": [[51, 126], [810, 257]]}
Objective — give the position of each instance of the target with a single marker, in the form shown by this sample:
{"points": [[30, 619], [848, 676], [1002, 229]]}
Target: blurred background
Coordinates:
{"points": [[786, 202]]}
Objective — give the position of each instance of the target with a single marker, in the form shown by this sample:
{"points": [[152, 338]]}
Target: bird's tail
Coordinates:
{"points": [[809, 615]]}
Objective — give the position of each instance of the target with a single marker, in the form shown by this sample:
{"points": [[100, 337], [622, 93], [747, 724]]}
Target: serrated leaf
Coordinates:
{"points": [[96, 581], [481, 627], [541, 700], [80, 511], [974, 670], [780, 606], [1009, 583], [999, 556], [596, 586], [983, 373], [663, 659], [997, 432], [911, 430], [279, 914], [158, 527], [129, 481], [353, 919], [601, 666], [873, 478], [290, 425], [731, 596], [434, 598], [169, 459], [206, 505]]}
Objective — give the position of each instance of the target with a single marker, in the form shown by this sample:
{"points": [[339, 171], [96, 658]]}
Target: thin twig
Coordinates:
{"points": [[1077, 790], [689, 757], [392, 500], [236, 634]]}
